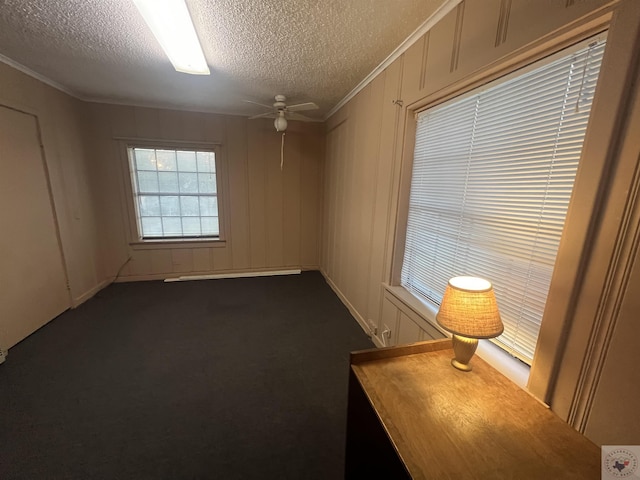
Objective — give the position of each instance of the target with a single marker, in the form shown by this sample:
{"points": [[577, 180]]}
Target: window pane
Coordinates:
{"points": [[170, 206], [147, 182], [168, 182], [210, 226], [151, 227], [187, 161], [172, 226], [145, 159], [149, 206], [166, 160], [206, 163], [209, 206], [191, 226], [188, 183], [190, 206], [207, 183], [172, 189]]}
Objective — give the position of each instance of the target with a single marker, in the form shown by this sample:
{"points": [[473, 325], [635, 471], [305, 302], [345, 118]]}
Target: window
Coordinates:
{"points": [[175, 193], [492, 178]]}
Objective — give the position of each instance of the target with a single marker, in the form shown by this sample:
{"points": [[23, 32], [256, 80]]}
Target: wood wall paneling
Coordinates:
{"points": [[63, 130], [385, 157], [182, 260], [147, 122], [389, 318], [437, 70], [311, 173], [414, 75], [529, 20], [408, 331], [292, 200], [238, 219], [69, 175], [361, 187], [475, 39], [336, 181], [33, 279], [221, 260], [481, 35], [201, 259], [261, 205], [257, 194], [619, 385], [274, 196]]}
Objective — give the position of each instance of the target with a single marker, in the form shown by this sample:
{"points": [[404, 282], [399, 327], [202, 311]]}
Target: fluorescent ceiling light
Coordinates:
{"points": [[171, 24]]}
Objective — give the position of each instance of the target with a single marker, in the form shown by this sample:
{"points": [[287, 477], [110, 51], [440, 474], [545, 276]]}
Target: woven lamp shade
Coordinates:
{"points": [[469, 309]]}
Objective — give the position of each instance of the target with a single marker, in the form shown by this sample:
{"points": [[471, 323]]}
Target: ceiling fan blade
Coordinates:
{"points": [[264, 115], [260, 104], [302, 106], [297, 116]]}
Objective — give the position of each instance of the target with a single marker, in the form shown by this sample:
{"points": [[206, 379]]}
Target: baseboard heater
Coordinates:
{"points": [[188, 278]]}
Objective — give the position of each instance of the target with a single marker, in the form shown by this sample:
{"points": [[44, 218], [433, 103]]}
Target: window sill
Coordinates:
{"points": [[177, 244], [423, 310], [510, 367]]}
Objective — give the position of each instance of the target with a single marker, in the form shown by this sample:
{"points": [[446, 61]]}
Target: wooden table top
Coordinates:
{"points": [[445, 423]]}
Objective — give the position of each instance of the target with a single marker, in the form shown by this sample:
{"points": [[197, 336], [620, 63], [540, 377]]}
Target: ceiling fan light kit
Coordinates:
{"points": [[171, 24], [280, 111], [280, 122]]}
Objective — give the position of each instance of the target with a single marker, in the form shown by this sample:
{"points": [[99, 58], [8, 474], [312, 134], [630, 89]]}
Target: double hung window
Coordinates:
{"points": [[175, 193], [493, 173]]}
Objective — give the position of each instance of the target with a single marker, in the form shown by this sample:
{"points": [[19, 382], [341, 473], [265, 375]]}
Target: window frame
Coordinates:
{"points": [[574, 244], [135, 239], [538, 269]]}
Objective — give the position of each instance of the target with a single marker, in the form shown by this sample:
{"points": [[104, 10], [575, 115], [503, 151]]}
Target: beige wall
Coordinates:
{"points": [[62, 122], [366, 138], [369, 149], [271, 217]]}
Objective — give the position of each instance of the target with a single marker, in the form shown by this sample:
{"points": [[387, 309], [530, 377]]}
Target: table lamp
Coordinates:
{"points": [[469, 311]]}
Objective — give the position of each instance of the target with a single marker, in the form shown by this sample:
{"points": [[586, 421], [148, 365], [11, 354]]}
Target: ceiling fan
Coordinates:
{"points": [[281, 111]]}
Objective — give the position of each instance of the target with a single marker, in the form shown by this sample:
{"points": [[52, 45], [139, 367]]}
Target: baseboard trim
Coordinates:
{"points": [[225, 273], [77, 301], [361, 321], [215, 276], [376, 341]]}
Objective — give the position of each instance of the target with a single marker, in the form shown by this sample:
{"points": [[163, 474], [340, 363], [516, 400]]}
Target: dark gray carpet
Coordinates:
{"points": [[221, 379]]}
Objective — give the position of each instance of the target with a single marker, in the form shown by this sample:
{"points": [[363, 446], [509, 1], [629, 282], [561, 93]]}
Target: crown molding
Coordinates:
{"points": [[37, 76], [445, 8], [427, 25]]}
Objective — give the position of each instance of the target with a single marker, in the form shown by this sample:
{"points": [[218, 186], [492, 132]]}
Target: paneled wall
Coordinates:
{"points": [[62, 128], [359, 171], [368, 138], [271, 216]]}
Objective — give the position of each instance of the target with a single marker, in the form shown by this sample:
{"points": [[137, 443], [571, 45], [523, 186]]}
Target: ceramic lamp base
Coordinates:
{"points": [[464, 348]]}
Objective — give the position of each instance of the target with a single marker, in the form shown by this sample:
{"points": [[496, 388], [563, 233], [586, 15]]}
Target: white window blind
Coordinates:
{"points": [[492, 178]]}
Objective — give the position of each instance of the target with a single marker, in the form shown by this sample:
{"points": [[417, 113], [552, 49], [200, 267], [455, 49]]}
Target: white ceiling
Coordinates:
{"points": [[308, 50]]}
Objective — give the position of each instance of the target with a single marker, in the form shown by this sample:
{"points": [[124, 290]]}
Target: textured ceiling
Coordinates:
{"points": [[308, 50]]}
